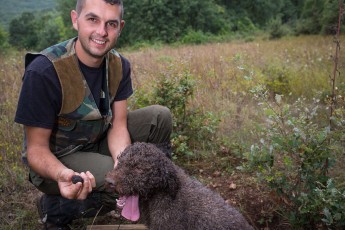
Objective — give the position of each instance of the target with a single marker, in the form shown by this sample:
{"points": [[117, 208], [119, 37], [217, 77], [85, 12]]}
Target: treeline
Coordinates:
{"points": [[10, 9], [185, 21]]}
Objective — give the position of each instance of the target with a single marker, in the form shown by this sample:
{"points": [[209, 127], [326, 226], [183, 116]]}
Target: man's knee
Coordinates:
{"points": [[150, 124], [163, 114]]}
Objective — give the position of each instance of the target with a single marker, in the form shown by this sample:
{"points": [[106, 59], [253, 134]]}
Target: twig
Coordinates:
{"points": [[336, 60], [335, 71], [93, 221]]}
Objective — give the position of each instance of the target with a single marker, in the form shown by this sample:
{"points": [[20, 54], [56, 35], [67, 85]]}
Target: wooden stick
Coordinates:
{"points": [[119, 227]]}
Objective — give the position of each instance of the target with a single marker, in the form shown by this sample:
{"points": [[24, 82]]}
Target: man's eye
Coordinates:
{"points": [[112, 24], [92, 19]]}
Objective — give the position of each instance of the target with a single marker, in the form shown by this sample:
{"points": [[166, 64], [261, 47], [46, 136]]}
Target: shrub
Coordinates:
{"points": [[3, 38], [277, 79], [326, 202], [51, 30], [194, 37], [277, 29], [22, 31], [293, 157], [191, 126], [245, 25]]}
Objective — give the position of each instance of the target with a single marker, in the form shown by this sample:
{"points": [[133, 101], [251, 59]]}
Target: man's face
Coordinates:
{"points": [[99, 25]]}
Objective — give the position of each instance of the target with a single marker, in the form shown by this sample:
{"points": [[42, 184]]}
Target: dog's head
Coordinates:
{"points": [[143, 170]]}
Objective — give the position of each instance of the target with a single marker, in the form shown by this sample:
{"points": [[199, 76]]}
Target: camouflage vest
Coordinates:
{"points": [[79, 122]]}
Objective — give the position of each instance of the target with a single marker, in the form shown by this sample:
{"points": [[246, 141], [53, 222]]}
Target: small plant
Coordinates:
{"points": [[277, 79], [326, 202], [192, 127], [291, 156]]}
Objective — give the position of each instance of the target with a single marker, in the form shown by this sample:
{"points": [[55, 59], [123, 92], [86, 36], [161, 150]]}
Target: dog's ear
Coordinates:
{"points": [[172, 181]]}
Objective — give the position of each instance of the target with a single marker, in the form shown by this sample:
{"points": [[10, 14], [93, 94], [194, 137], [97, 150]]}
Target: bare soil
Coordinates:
{"points": [[238, 189]]}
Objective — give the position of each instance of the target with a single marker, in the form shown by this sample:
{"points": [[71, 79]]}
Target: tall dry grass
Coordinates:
{"points": [[224, 73], [15, 192], [11, 70]]}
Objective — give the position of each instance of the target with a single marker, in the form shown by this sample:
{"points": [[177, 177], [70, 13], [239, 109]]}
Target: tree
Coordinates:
{"points": [[64, 8], [329, 18], [3, 38], [23, 31], [309, 21], [206, 16], [51, 30], [169, 20]]}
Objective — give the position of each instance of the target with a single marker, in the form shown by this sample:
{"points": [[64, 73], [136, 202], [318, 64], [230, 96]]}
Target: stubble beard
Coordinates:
{"points": [[93, 51]]}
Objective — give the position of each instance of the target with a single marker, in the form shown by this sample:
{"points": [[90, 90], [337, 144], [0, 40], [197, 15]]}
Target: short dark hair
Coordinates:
{"points": [[80, 5]]}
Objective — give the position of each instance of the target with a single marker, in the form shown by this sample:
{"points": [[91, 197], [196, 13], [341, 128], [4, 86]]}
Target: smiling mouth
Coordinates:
{"points": [[99, 42]]}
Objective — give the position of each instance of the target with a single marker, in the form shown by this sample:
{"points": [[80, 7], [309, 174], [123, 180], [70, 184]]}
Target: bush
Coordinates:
{"points": [[51, 30], [326, 202], [194, 37], [277, 79], [3, 38], [277, 29], [245, 25], [293, 156], [192, 127], [23, 31], [36, 31]]}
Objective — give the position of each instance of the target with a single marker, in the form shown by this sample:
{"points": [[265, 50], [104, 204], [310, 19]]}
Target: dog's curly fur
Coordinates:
{"points": [[168, 197]]}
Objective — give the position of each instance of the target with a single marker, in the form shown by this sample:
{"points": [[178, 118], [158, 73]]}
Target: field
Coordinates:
{"points": [[224, 76]]}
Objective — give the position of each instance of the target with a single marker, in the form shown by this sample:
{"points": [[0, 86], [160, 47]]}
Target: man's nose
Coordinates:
{"points": [[102, 30]]}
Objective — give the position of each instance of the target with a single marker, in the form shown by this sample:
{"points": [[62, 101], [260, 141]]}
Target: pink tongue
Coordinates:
{"points": [[131, 209]]}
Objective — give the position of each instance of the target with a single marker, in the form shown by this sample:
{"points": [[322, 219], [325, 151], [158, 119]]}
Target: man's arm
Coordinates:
{"points": [[118, 135], [43, 161]]}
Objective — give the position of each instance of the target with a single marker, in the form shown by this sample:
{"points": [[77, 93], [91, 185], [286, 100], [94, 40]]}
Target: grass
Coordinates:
{"points": [[15, 191], [224, 75]]}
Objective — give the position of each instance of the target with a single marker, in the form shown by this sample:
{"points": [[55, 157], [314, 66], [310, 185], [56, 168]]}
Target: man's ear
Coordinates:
{"points": [[122, 24], [74, 18]]}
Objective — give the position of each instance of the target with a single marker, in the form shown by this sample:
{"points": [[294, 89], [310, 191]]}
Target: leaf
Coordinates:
{"points": [[328, 215], [337, 216], [278, 99]]}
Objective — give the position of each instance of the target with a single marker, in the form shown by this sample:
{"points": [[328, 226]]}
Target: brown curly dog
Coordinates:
{"points": [[168, 198]]}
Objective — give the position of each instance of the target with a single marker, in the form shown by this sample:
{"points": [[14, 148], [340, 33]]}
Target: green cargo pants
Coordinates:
{"points": [[150, 124]]}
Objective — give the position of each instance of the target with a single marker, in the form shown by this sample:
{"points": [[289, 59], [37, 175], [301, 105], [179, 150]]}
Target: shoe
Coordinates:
{"points": [[44, 216]]}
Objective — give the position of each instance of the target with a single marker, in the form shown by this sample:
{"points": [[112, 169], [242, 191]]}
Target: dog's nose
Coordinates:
{"points": [[110, 182]]}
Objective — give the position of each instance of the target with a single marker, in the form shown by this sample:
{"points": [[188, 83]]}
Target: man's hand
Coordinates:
{"points": [[79, 190]]}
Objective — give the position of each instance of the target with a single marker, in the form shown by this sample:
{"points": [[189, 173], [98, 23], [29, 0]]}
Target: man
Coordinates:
{"points": [[73, 105]]}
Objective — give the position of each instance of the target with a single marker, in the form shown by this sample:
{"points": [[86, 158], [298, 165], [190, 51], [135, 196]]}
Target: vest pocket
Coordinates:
{"points": [[74, 134], [66, 124]]}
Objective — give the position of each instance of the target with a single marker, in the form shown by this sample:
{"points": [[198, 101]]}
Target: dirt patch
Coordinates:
{"points": [[239, 190]]}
